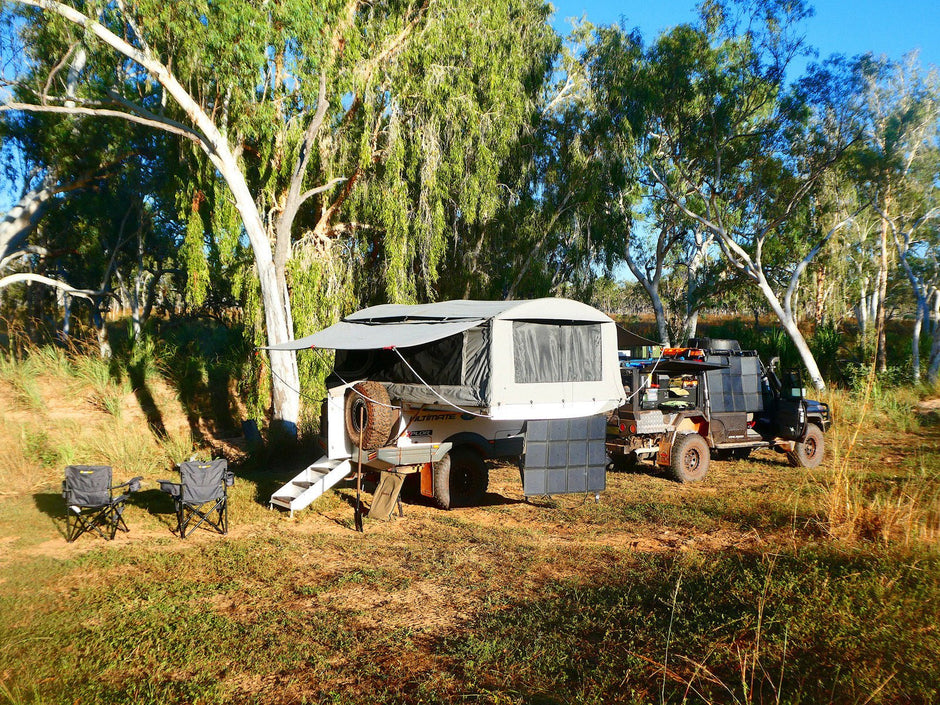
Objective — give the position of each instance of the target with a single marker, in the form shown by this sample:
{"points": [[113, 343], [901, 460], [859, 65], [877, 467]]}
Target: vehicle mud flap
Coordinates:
{"points": [[564, 456], [386, 496]]}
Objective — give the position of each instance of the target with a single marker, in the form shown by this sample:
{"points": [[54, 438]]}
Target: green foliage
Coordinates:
{"points": [[193, 255], [894, 377], [827, 343]]}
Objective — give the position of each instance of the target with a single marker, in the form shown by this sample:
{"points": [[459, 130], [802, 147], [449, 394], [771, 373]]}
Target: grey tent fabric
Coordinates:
{"points": [[545, 352], [562, 363], [347, 335], [403, 326], [534, 309]]}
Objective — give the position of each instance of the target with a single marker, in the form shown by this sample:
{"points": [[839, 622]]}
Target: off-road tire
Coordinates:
{"points": [[373, 404], [808, 452], [460, 478], [688, 461]]}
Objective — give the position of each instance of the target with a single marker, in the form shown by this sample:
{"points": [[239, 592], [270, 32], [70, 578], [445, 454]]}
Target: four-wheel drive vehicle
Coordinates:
{"points": [[437, 389], [712, 398]]}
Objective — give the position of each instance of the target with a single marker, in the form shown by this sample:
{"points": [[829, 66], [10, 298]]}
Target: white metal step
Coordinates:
{"points": [[310, 484]]}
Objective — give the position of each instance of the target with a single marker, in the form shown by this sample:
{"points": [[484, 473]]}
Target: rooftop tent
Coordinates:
{"points": [[543, 358]]}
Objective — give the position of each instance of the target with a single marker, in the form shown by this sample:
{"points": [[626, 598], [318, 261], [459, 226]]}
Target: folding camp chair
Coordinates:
{"points": [[90, 504], [201, 493]]}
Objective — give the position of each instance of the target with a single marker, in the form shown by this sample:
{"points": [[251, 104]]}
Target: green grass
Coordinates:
{"points": [[817, 625]]}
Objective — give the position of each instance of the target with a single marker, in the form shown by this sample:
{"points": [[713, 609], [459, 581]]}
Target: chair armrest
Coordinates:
{"points": [[229, 478], [132, 485], [171, 488]]}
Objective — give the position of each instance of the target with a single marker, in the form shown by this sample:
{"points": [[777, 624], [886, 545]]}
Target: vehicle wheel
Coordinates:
{"points": [[689, 459], [460, 478], [808, 452], [373, 406]]}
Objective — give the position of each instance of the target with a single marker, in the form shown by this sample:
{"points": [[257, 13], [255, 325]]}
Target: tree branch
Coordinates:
{"points": [[164, 124], [55, 283], [320, 189]]}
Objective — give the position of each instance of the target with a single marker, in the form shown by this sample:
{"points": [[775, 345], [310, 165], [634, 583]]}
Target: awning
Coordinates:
{"points": [[681, 366], [627, 339], [347, 335]]}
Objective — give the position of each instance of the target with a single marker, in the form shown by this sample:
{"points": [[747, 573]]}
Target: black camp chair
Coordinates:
{"points": [[201, 493], [90, 503]]}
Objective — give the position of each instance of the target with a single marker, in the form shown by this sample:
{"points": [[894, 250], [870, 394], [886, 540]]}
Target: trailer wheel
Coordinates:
{"points": [[373, 406], [809, 451], [460, 478], [688, 461]]}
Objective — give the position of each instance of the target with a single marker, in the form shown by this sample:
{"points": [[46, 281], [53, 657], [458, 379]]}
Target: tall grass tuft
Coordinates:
{"points": [[106, 394], [22, 380], [859, 506]]}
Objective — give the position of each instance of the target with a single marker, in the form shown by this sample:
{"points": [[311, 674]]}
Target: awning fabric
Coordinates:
{"points": [[627, 339], [351, 335]]}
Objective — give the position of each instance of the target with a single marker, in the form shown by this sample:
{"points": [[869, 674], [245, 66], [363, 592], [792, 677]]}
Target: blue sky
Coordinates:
{"points": [[891, 27]]}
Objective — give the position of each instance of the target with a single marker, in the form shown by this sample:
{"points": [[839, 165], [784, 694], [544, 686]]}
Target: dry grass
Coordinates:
{"points": [[893, 494], [762, 584]]}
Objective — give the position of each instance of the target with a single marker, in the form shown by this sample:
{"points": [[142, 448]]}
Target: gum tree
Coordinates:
{"points": [[898, 170], [330, 138], [724, 142]]}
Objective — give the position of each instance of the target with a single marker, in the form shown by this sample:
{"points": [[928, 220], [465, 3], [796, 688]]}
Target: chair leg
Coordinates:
{"points": [[121, 524], [71, 526], [77, 523], [191, 512], [117, 521], [180, 523]]}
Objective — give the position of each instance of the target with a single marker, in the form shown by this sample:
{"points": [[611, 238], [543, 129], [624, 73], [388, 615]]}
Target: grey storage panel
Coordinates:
{"points": [[735, 388], [565, 456]]}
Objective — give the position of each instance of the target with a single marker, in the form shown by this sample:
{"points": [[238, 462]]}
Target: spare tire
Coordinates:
{"points": [[369, 411]]}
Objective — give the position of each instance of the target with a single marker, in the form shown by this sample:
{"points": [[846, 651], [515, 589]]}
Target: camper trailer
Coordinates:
{"points": [[437, 389]]}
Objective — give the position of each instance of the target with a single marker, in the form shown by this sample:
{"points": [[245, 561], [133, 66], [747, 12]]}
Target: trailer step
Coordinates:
{"points": [[310, 484]]}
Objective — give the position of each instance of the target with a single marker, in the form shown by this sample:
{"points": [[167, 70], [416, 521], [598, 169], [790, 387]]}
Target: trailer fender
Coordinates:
{"points": [[467, 438]]}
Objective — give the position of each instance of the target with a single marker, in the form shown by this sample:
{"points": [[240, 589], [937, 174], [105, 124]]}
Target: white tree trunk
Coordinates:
{"points": [[66, 315], [20, 219], [651, 286], [135, 307], [285, 383], [793, 330], [915, 340], [933, 371], [935, 311]]}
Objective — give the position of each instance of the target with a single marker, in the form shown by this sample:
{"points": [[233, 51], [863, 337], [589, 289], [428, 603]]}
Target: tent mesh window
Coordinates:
{"points": [[552, 352]]}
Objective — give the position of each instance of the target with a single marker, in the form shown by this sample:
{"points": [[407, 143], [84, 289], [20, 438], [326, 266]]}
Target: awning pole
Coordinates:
{"points": [[358, 513]]}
